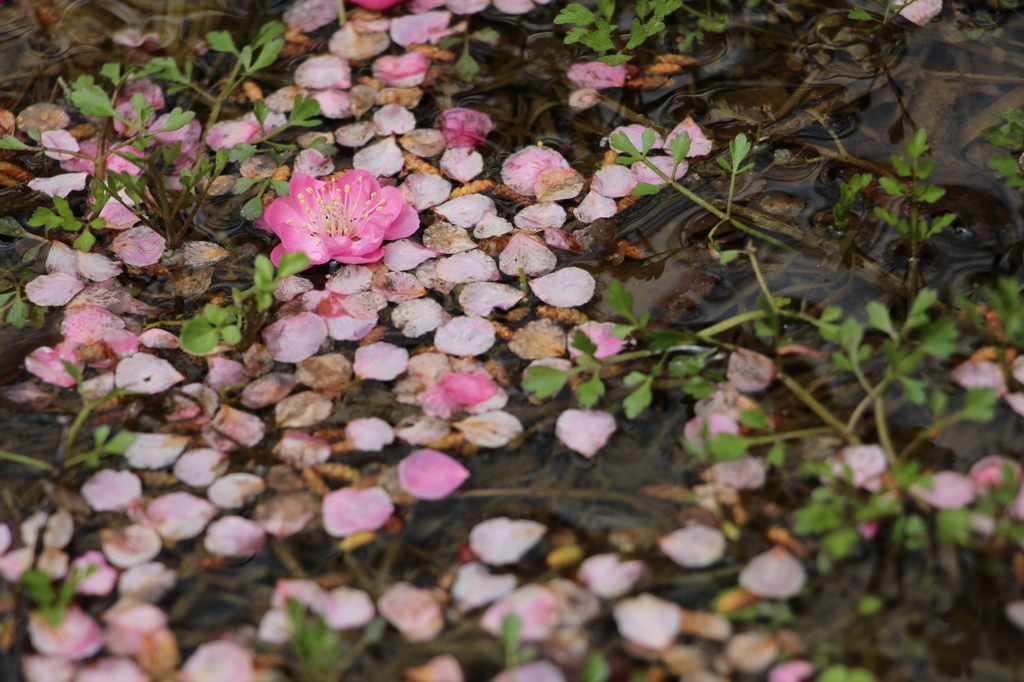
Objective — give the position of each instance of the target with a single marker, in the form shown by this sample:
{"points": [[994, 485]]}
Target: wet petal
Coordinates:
{"points": [[293, 339], [608, 576], [371, 434], [430, 475], [57, 289], [234, 537], [648, 622], [381, 361], [414, 612], [566, 288], [475, 586], [527, 254], [218, 661], [145, 373], [418, 317], [500, 541], [585, 431], [694, 546], [775, 574], [350, 510], [139, 246], [471, 266], [466, 211], [465, 336]]}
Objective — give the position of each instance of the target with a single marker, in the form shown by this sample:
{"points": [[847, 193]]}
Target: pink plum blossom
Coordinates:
{"points": [[521, 170], [351, 510], [48, 364], [608, 576], [462, 164], [536, 607], [234, 537], [403, 255], [585, 431], [226, 134], [60, 185], [414, 612], [481, 298], [540, 216], [648, 621], [775, 574], [475, 586], [218, 661], [345, 220], [614, 181], [695, 546], [534, 671], [308, 15], [430, 475], [501, 540], [464, 128], [312, 163], [393, 119], [77, 636]]}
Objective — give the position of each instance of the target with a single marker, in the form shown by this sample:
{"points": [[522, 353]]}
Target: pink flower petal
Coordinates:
{"points": [[57, 289], [145, 373], [482, 298], [919, 11], [115, 669], [354, 134], [614, 181], [490, 429], [700, 145], [534, 605], [130, 546], [110, 490], [414, 612], [345, 608], [404, 71], [600, 333], [464, 128], [430, 475], [710, 424], [695, 546], [149, 581], [534, 671], [949, 490], [465, 336], [323, 72], [421, 429], [178, 516], [234, 537], [419, 28], [96, 266], [293, 339], [635, 134], [995, 471], [750, 371], [648, 622], [566, 288], [442, 668], [313, 163], [423, 191], [381, 361], [418, 317], [745, 473], [371, 434], [462, 164], [866, 464], [466, 211], [404, 255], [775, 574], [597, 75], [791, 671], [305, 16], [585, 431], [232, 425], [303, 409], [491, 226], [475, 586], [540, 216], [48, 364], [199, 468], [158, 339], [523, 252], [301, 449], [423, 142], [139, 246], [224, 373], [501, 541], [60, 185], [235, 490], [558, 184], [469, 266], [392, 119], [218, 661], [333, 103], [381, 159], [980, 374], [351, 510], [664, 164], [581, 99], [521, 170], [350, 43], [76, 637], [596, 206], [608, 576]]}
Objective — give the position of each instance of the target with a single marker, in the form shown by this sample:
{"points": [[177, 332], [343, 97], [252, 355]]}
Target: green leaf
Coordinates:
{"points": [[930, 194], [267, 55], [253, 209], [901, 166], [90, 98], [637, 35], [728, 446], [230, 334], [582, 343], [221, 41], [112, 72], [303, 111], [869, 605], [119, 443], [544, 382], [841, 542], [954, 526], [878, 315], [615, 59], [738, 149], [486, 36], [292, 264], [680, 147], [637, 401], [859, 14], [645, 188], [917, 145], [575, 14], [17, 316], [466, 67], [607, 8], [621, 300], [590, 391], [198, 337], [979, 405], [893, 187], [11, 142], [685, 366], [913, 390], [85, 241], [177, 120], [777, 455], [595, 668], [598, 41]]}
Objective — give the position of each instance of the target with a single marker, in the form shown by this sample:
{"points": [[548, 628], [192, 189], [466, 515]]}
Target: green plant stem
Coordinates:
{"points": [[341, 13], [884, 439], [810, 401], [26, 460], [791, 435]]}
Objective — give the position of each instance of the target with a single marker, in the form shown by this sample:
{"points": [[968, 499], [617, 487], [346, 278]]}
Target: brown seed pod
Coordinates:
{"points": [[337, 470], [507, 192], [342, 447], [627, 201], [493, 246], [47, 15], [432, 52], [371, 82], [649, 83], [357, 540], [253, 92], [314, 482], [498, 373], [475, 187], [449, 442], [330, 434], [502, 332], [16, 173], [283, 173], [783, 537], [563, 315], [415, 164], [291, 36], [517, 314], [609, 158], [375, 335], [679, 59], [662, 69], [268, 198], [213, 563], [629, 249], [82, 131]]}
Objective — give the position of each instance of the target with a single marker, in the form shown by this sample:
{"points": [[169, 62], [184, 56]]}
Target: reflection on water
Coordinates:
{"points": [[942, 619]]}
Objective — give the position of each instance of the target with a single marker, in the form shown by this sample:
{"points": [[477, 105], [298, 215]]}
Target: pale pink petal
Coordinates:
{"points": [[218, 661], [745, 473], [418, 317], [980, 374], [465, 336], [534, 671], [392, 119], [469, 266], [351, 510], [521, 170], [139, 246], [442, 668], [664, 164], [404, 255], [234, 537], [995, 471], [418, 28], [346, 328], [581, 99], [404, 71], [308, 15], [421, 429], [303, 409], [350, 43], [540, 216], [710, 424], [323, 72], [313, 163], [381, 361], [595, 206], [566, 288], [466, 211], [469, 388], [155, 450], [96, 266], [268, 389], [115, 669], [414, 612], [475, 586], [635, 134], [145, 373], [399, 287], [158, 339], [86, 325], [536, 607], [700, 145], [48, 364], [354, 134], [600, 333], [57, 289], [301, 449], [608, 576], [286, 514], [47, 669], [750, 371], [500, 541], [423, 191], [482, 298], [614, 181], [60, 185], [381, 159], [948, 490], [462, 164], [695, 546], [791, 671], [523, 252], [648, 622], [458, 6], [464, 128], [149, 581], [585, 431], [77, 636], [110, 490], [866, 464], [919, 11], [371, 434], [130, 546], [199, 468], [345, 608], [224, 373], [235, 490], [59, 139], [226, 134], [430, 475], [333, 103], [597, 75], [232, 425], [178, 516], [775, 574], [490, 429], [293, 339], [491, 226], [61, 258]]}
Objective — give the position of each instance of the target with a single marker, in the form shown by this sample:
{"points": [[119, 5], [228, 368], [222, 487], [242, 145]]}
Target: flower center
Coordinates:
{"points": [[333, 213]]}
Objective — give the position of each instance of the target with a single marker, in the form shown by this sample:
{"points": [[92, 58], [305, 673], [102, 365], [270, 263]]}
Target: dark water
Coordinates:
{"points": [[942, 618]]}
